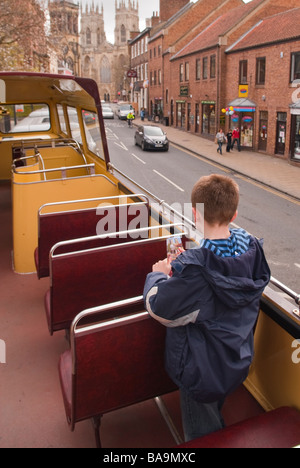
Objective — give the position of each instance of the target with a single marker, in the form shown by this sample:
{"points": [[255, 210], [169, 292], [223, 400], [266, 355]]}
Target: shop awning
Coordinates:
{"points": [[243, 105]]}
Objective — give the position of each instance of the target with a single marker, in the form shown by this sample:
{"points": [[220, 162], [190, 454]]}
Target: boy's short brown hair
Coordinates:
{"points": [[220, 196]]}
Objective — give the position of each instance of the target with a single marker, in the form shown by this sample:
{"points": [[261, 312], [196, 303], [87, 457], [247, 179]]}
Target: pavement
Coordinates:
{"points": [[271, 171]]}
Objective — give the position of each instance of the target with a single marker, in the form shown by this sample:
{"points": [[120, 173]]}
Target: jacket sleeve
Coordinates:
{"points": [[166, 300]]}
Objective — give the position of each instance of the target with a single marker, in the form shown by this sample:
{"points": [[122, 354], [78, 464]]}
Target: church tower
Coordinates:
{"points": [[127, 20], [92, 26]]}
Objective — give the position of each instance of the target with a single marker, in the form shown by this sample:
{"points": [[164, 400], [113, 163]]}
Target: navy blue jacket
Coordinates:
{"points": [[210, 306]]}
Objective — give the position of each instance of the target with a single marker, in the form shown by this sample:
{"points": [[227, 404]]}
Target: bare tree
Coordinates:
{"points": [[23, 40]]}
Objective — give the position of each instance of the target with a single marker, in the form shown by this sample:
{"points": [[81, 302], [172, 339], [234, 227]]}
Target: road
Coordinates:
{"points": [[170, 176]]}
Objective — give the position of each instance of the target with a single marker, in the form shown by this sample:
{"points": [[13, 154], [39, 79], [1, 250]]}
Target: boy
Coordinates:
{"points": [[210, 306]]}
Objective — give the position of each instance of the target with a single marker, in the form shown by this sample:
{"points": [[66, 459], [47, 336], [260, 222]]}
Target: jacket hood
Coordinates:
{"points": [[236, 281]]}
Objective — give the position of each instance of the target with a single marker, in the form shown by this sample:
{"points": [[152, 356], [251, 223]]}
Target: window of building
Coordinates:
{"points": [[159, 50], [159, 77], [295, 66], [155, 78], [243, 78], [205, 71], [198, 69], [88, 36], [186, 71], [123, 33], [181, 72], [150, 53], [105, 71], [261, 71], [213, 66]]}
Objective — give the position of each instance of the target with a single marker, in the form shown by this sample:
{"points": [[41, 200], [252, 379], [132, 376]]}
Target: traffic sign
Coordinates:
{"points": [[132, 74]]}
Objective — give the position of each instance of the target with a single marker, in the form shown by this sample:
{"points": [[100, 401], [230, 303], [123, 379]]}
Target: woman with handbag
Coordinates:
{"points": [[220, 139]]}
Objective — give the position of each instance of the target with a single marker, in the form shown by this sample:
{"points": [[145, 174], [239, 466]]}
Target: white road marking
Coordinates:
{"points": [[297, 265], [139, 159], [121, 145], [168, 180]]}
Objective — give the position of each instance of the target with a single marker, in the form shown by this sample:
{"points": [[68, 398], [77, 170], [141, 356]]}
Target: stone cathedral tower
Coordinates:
{"points": [[127, 20], [107, 63]]}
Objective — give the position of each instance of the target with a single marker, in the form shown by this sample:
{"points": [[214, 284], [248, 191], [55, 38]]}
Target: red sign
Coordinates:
{"points": [[132, 74]]}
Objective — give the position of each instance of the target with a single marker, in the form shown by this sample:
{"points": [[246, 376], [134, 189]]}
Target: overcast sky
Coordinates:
{"points": [[146, 8]]}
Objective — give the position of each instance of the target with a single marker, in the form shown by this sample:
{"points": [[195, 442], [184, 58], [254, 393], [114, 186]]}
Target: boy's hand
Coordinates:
{"points": [[163, 266]]}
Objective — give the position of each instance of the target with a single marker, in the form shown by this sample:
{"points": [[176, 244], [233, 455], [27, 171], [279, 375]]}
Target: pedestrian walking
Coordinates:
{"points": [[236, 138], [220, 139], [229, 140]]}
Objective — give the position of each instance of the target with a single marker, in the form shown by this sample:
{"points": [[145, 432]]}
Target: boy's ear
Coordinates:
{"points": [[234, 216]]}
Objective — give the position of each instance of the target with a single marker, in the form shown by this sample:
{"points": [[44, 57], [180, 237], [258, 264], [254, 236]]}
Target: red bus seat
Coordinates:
{"points": [[85, 279], [112, 365], [61, 226], [279, 428]]}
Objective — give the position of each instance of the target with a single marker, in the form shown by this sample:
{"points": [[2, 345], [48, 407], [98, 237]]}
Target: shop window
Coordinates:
{"points": [[209, 119], [295, 66], [247, 122], [261, 71], [296, 137]]}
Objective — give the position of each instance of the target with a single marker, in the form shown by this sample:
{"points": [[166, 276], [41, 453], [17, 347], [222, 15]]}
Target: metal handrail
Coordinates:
{"points": [[90, 200], [285, 289], [56, 169], [114, 234]]}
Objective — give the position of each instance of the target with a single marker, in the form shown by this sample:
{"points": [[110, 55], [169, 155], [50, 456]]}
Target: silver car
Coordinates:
{"points": [[124, 110], [107, 112]]}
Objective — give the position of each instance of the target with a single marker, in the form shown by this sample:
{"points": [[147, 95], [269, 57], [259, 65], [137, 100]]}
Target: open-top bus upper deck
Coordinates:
{"points": [[55, 178]]}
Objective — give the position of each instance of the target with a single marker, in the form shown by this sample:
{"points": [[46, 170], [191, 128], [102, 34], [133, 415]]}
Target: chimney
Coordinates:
{"points": [[155, 19]]}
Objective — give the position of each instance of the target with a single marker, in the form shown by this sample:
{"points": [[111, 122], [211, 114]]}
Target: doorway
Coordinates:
{"points": [[263, 131], [281, 133]]}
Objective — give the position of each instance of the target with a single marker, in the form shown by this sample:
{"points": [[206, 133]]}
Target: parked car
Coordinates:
{"points": [[107, 112], [123, 110], [151, 137]]}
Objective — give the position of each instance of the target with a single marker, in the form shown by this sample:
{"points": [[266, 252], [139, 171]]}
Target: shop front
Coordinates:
{"points": [[243, 118], [295, 132], [209, 118]]}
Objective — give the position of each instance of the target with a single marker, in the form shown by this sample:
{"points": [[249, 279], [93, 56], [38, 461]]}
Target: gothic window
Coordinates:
{"points": [[88, 36], [98, 36], [105, 71], [123, 33]]}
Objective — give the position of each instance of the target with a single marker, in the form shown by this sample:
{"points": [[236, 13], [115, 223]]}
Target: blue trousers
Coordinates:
{"points": [[199, 419]]}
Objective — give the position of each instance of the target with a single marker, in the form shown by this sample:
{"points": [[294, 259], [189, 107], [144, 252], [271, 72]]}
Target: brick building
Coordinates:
{"points": [[139, 86], [197, 85], [262, 69]]}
